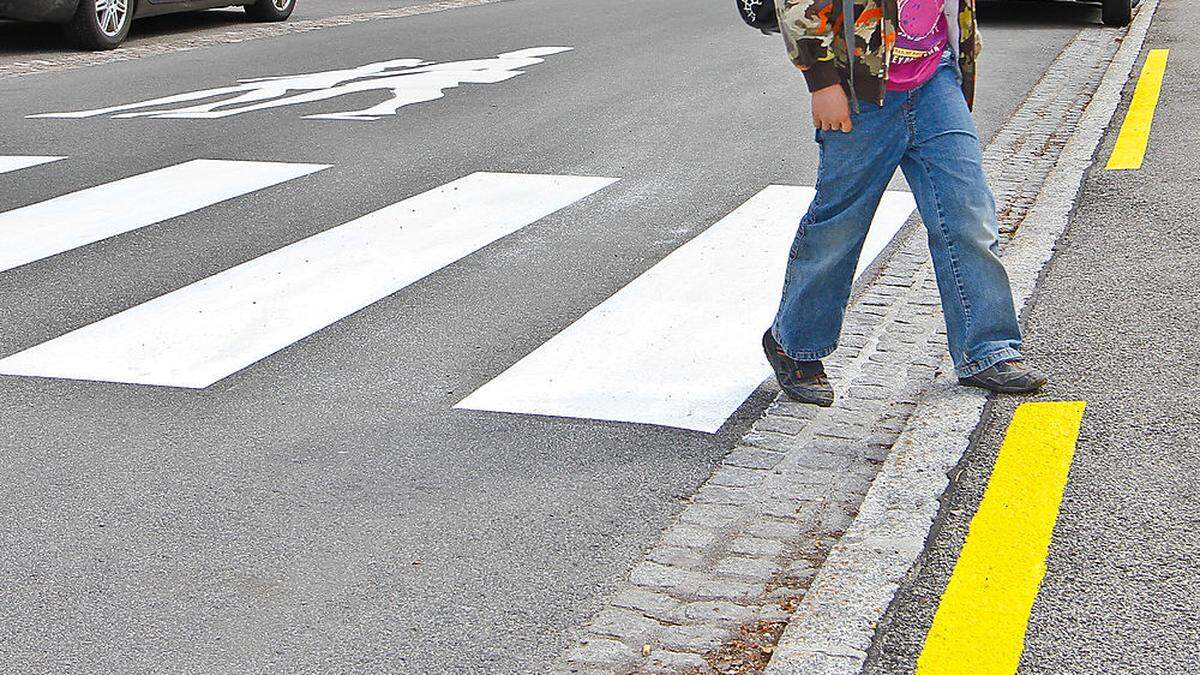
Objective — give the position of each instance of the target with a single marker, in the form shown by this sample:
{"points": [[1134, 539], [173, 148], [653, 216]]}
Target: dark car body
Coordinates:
{"points": [[61, 11]]}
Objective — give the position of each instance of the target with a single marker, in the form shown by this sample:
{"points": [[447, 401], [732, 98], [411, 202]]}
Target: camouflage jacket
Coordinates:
{"points": [[813, 32]]}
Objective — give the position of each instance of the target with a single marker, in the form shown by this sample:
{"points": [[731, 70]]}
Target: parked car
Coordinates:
{"points": [[103, 24]]}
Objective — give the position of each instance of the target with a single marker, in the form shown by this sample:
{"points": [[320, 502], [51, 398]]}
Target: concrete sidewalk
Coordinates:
{"points": [[1113, 321]]}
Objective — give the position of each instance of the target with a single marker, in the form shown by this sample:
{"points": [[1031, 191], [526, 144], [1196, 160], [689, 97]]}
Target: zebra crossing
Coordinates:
{"points": [[675, 347]]}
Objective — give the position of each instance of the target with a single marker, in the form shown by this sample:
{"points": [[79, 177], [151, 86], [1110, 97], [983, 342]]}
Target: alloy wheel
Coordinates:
{"points": [[111, 16]]}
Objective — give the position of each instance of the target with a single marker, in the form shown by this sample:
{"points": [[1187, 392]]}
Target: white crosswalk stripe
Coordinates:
{"points": [[678, 346], [204, 332], [57, 225], [17, 162]]}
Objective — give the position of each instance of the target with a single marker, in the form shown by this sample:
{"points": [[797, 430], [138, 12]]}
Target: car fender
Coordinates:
{"points": [[50, 11]]}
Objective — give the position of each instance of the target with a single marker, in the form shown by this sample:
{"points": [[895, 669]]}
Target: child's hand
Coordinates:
{"points": [[831, 109]]}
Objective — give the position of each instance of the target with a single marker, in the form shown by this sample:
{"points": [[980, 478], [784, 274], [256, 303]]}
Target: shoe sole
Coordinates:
{"points": [[1006, 390], [800, 398]]}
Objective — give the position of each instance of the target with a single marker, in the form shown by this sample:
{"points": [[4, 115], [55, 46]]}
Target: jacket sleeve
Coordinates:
{"points": [[808, 27]]}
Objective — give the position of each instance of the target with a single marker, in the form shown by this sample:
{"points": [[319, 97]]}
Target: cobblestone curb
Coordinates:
{"points": [[180, 44], [833, 628], [746, 548]]}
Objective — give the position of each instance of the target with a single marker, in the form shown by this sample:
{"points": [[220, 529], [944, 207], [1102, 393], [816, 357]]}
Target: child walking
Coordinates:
{"points": [[900, 98]]}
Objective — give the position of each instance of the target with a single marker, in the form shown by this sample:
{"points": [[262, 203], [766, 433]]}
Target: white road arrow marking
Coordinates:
{"points": [[51, 227], [679, 345], [213, 328]]}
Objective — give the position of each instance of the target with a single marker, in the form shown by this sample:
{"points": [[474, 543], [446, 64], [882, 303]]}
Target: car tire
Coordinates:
{"points": [[270, 10], [1117, 12], [100, 24]]}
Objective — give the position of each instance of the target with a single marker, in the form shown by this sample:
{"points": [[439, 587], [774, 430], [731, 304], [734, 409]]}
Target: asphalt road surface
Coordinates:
{"points": [[325, 506]]}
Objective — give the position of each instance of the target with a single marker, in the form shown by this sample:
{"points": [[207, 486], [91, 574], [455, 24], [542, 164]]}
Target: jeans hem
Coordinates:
{"points": [[979, 365], [804, 355]]}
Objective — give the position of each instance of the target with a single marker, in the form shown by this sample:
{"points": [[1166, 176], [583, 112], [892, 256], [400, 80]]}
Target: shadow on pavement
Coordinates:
{"points": [[1038, 13]]}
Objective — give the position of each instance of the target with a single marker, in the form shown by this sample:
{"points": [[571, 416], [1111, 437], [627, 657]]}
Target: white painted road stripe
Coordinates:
{"points": [[678, 346], [213, 328], [15, 162], [894, 210], [51, 227]]}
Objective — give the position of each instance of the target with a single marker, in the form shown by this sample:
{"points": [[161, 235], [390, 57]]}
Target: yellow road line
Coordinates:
{"points": [[1135, 132], [980, 623]]}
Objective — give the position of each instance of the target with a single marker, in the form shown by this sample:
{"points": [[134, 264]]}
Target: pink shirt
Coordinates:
{"points": [[920, 41]]}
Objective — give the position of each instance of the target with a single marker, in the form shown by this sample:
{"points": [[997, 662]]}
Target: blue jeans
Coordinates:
{"points": [[929, 133]]}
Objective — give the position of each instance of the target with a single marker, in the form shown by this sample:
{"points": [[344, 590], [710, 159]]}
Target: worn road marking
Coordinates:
{"points": [[678, 346], [400, 82], [16, 162], [1130, 149], [57, 225], [980, 624], [214, 327]]}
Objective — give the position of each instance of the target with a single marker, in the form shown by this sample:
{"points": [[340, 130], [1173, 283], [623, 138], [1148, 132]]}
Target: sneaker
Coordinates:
{"points": [[1008, 377], [802, 381]]}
